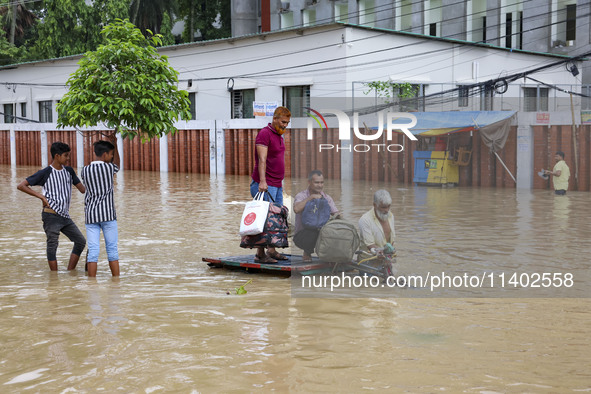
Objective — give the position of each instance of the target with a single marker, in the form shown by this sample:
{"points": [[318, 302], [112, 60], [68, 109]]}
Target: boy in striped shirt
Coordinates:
{"points": [[99, 204], [56, 181]]}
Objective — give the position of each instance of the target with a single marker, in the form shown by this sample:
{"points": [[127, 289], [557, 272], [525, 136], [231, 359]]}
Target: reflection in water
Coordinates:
{"points": [[168, 324]]}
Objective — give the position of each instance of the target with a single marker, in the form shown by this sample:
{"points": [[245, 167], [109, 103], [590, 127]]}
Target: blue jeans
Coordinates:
{"points": [[275, 192], [93, 235]]}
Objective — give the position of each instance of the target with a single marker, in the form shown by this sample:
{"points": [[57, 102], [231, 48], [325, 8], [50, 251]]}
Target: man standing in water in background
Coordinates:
{"points": [[269, 170], [560, 174]]}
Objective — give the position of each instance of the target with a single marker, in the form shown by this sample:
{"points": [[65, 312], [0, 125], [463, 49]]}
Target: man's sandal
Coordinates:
{"points": [[277, 256]]}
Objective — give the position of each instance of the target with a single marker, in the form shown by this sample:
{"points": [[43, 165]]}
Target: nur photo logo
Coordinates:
{"points": [[391, 120]]}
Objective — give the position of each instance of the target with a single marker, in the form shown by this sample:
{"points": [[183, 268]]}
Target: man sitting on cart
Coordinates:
{"points": [[305, 237], [376, 227]]}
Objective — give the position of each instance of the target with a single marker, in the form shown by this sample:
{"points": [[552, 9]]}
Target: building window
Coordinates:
{"points": [[463, 95], [341, 13], [286, 20], [367, 12], [433, 29], [405, 15], [476, 21], [45, 111], [192, 106], [486, 98], [586, 101], [571, 22], [535, 99], [520, 35], [413, 99], [433, 17], [296, 99], [9, 113], [308, 17], [508, 29], [242, 101], [24, 110]]}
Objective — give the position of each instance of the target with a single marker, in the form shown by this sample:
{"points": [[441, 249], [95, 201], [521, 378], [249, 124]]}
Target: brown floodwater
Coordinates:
{"points": [[168, 324]]}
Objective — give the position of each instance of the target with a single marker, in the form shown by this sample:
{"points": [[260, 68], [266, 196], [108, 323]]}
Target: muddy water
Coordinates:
{"points": [[168, 324]]}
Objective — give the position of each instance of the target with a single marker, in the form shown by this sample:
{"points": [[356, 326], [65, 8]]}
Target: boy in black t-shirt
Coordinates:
{"points": [[56, 181]]}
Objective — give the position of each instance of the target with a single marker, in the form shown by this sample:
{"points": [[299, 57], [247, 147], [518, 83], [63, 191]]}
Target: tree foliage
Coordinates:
{"points": [[72, 27], [386, 89], [61, 33], [16, 19], [8, 52], [148, 14], [47, 29], [166, 30], [126, 85], [210, 19]]}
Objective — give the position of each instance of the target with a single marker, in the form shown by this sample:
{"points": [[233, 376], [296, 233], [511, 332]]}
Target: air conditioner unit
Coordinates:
{"points": [[284, 6], [310, 2], [570, 43]]}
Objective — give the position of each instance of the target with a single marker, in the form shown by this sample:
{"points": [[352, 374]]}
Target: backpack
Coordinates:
{"points": [[337, 241], [316, 213]]}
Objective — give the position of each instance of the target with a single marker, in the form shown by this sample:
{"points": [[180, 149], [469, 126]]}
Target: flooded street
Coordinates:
{"points": [[168, 325]]}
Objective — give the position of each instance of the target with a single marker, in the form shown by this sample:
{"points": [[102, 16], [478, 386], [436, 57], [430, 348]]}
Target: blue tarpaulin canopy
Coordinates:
{"points": [[440, 123]]}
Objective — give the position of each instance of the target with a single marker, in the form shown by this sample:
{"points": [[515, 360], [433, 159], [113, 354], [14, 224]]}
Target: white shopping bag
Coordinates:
{"points": [[254, 216]]}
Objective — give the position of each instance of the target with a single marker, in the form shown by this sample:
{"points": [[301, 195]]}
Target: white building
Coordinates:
{"points": [[291, 67]]}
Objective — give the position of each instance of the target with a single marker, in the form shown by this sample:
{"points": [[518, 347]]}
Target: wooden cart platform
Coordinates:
{"points": [[282, 267]]}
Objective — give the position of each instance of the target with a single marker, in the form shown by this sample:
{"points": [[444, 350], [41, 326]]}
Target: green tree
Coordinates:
{"points": [[72, 27], [60, 32], [102, 13], [8, 52], [166, 30], [209, 18], [148, 14], [385, 89], [16, 19], [126, 85]]}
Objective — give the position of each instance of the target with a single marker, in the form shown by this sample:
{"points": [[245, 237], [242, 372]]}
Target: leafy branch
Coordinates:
{"points": [[386, 89], [126, 85]]}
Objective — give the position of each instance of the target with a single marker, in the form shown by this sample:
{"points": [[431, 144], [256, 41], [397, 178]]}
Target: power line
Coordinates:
{"points": [[337, 59]]}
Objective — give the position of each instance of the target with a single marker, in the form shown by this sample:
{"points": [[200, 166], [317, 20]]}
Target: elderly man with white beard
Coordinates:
{"points": [[376, 226]]}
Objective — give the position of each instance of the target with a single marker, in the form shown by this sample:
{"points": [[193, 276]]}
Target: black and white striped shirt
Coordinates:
{"points": [[99, 203], [56, 187]]}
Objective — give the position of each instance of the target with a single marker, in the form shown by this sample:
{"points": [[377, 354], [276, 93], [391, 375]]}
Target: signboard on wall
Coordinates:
{"points": [[586, 117], [260, 108], [543, 117]]}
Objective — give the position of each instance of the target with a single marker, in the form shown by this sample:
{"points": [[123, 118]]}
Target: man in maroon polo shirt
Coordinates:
{"points": [[269, 170]]}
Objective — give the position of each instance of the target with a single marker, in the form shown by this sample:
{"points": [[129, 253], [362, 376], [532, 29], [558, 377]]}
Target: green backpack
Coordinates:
{"points": [[337, 241]]}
